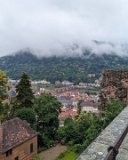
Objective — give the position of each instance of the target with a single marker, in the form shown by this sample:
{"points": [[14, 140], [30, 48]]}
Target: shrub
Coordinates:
{"points": [[78, 148], [61, 156], [37, 158]]}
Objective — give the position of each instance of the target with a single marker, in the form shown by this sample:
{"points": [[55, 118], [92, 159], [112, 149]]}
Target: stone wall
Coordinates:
{"points": [[112, 85], [97, 150]]}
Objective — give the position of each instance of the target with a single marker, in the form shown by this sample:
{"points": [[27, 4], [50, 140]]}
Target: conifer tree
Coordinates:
{"points": [[25, 95]]}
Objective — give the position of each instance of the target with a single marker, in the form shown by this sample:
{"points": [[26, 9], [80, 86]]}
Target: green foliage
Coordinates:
{"points": [[3, 85], [4, 112], [79, 106], [55, 68], [37, 158], [68, 121], [7, 111], [47, 109], [68, 155], [112, 109], [27, 114], [61, 156], [81, 131], [24, 92], [78, 148], [74, 130]]}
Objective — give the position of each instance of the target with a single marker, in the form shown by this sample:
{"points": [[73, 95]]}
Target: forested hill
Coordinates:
{"points": [[60, 68]]}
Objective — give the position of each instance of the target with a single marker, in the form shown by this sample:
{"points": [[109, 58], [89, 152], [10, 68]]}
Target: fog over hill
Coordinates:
{"points": [[63, 39], [52, 27], [53, 68], [76, 50]]}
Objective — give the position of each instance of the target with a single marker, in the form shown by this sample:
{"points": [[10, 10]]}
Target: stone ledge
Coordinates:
{"points": [[97, 150], [123, 151]]}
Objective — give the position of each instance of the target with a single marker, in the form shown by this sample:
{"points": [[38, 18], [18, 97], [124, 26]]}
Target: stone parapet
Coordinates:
{"points": [[97, 150]]}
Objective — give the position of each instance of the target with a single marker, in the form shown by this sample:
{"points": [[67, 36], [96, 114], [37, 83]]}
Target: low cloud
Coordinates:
{"points": [[51, 27]]}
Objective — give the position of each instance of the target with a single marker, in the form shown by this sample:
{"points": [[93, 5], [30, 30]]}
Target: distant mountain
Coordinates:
{"points": [[55, 68]]}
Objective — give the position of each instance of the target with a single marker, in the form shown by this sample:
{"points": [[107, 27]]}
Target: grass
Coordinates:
{"points": [[68, 155]]}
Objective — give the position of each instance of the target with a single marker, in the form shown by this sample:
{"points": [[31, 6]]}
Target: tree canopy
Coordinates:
{"points": [[75, 69], [25, 95], [47, 109], [82, 130], [27, 114], [3, 85]]}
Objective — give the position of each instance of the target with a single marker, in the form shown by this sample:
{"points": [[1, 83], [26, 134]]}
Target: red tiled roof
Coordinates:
{"points": [[13, 133], [67, 113]]}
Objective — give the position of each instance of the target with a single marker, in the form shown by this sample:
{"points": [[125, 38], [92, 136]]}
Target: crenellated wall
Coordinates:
{"points": [[112, 85]]}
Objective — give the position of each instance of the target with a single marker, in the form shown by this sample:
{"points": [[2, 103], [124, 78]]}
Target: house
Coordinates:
{"points": [[91, 75], [66, 101], [89, 106], [57, 82], [12, 82], [67, 83], [45, 82], [11, 95], [67, 113], [17, 140]]}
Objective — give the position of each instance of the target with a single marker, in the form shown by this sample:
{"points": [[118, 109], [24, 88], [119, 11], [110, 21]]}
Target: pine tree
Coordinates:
{"points": [[25, 95]]}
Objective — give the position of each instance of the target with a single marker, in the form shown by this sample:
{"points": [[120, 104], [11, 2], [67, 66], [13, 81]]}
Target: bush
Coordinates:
{"points": [[60, 133], [61, 156], [26, 114], [70, 143], [78, 148], [81, 131], [45, 141], [37, 158]]}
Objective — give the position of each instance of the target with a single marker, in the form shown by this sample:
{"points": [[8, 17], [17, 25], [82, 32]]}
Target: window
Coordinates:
{"points": [[9, 152], [31, 147], [17, 158]]}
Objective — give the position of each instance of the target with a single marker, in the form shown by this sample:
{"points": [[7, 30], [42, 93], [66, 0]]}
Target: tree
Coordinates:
{"points": [[3, 94], [27, 114], [68, 121], [79, 106], [82, 130], [3, 85], [4, 112], [25, 95], [47, 109], [112, 109], [37, 158], [70, 130]]}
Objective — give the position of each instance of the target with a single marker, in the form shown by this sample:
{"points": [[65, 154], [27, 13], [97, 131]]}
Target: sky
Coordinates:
{"points": [[50, 27]]}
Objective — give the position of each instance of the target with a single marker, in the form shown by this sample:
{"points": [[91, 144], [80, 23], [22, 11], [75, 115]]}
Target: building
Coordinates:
{"points": [[67, 83], [57, 82], [89, 106], [11, 95], [67, 113], [12, 82], [91, 75], [65, 100], [17, 140], [45, 82]]}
